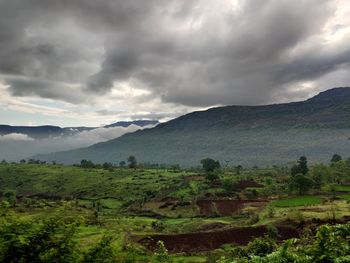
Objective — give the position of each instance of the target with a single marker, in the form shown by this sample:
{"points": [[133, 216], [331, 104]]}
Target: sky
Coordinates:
{"points": [[89, 63]]}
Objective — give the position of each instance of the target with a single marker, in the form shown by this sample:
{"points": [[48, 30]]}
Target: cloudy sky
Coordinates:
{"points": [[88, 62]]}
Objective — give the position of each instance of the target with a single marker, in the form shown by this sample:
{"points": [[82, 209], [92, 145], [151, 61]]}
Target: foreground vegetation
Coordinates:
{"points": [[104, 213]]}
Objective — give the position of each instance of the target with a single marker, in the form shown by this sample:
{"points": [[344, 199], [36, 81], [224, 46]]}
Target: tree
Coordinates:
{"points": [[336, 158], [209, 165], [107, 166], [228, 185], [238, 169], [320, 174], [86, 164], [303, 165], [122, 164], [261, 246], [132, 161], [295, 170], [212, 176], [301, 183]]}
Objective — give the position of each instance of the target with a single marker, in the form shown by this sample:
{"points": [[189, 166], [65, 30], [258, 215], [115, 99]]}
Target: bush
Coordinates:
{"points": [[272, 232], [161, 255], [261, 246], [102, 252], [53, 240]]}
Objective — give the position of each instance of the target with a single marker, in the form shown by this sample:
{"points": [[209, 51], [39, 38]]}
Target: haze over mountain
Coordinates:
{"points": [[18, 142], [47, 131], [248, 135]]}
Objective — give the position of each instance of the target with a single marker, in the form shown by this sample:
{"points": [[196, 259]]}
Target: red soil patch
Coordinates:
{"points": [[204, 241], [212, 227], [225, 207], [247, 183], [195, 178]]}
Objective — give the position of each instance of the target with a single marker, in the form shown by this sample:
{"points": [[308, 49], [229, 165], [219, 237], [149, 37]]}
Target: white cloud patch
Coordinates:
{"points": [[86, 138], [15, 137]]}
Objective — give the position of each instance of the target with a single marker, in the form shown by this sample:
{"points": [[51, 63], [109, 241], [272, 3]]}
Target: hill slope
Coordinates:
{"points": [[248, 135]]}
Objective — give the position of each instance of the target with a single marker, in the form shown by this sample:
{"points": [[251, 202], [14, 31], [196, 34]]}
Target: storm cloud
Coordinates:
{"points": [[179, 53]]}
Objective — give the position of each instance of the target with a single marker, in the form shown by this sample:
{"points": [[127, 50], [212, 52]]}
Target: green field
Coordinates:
{"points": [[342, 188], [297, 201], [122, 204]]}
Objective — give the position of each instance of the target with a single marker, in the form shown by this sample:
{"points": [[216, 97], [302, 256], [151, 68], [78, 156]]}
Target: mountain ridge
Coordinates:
{"points": [[247, 135], [46, 131]]}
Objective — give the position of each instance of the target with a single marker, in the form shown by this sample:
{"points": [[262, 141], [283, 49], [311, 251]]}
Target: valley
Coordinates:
{"points": [[196, 217]]}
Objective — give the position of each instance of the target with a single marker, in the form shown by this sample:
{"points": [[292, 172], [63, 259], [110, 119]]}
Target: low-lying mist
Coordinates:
{"points": [[16, 146]]}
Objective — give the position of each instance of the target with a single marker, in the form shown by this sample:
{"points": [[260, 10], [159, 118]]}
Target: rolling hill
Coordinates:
{"points": [[247, 135]]}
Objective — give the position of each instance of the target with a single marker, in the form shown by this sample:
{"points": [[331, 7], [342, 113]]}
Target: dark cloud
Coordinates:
{"points": [[186, 52], [46, 89]]}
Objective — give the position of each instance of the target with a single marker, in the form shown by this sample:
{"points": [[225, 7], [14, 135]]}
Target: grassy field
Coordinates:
{"points": [[126, 202], [342, 188], [297, 201]]}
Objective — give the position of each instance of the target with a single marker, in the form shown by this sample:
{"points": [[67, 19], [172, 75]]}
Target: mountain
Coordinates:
{"points": [[141, 123], [48, 131], [247, 135]]}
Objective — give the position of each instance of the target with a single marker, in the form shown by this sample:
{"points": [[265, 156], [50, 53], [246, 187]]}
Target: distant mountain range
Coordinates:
{"points": [[247, 135], [47, 131]]}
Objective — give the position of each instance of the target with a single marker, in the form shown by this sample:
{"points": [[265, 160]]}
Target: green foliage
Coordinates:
{"points": [[102, 252], [30, 233], [10, 196], [161, 255], [297, 201], [320, 174], [209, 165], [158, 225], [107, 166], [301, 167], [212, 176], [228, 185], [261, 246], [238, 169], [51, 241], [336, 158], [272, 232], [271, 212], [132, 161], [301, 183], [87, 164], [285, 254], [331, 245]]}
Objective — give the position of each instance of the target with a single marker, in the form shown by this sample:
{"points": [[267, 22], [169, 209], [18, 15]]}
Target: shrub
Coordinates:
{"points": [[261, 246]]}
